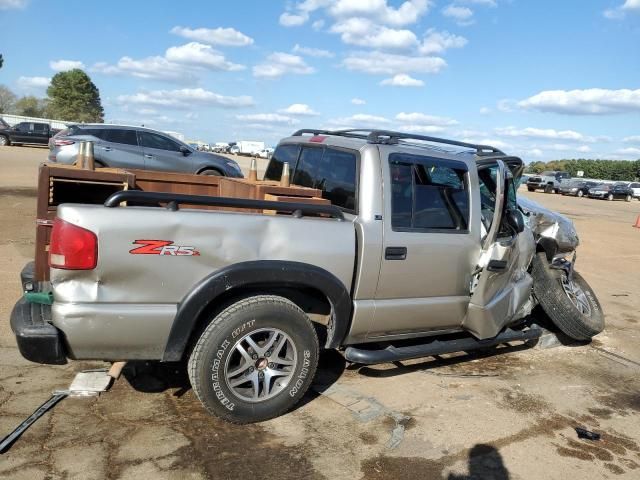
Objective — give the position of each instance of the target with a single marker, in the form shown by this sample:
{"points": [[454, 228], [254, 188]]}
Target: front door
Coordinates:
{"points": [[501, 286], [119, 148], [22, 133], [430, 245], [162, 153]]}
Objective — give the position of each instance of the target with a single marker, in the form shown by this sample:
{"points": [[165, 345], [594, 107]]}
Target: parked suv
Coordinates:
{"points": [[137, 147], [422, 251], [549, 181], [32, 133]]}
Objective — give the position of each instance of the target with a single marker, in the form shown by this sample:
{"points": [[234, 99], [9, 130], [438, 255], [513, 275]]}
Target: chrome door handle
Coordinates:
{"points": [[395, 253], [107, 149], [146, 155]]}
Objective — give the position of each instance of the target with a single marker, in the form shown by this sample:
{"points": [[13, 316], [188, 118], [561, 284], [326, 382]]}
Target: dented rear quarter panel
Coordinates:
{"points": [[221, 238]]}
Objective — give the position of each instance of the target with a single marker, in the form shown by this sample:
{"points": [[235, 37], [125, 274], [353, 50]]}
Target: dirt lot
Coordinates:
{"points": [[506, 414]]}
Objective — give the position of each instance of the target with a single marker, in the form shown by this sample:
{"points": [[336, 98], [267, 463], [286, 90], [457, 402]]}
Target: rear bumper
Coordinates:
{"points": [[38, 340]]}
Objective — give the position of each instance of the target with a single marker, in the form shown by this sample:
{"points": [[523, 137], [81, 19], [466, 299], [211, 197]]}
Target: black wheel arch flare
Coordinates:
{"points": [[260, 273]]}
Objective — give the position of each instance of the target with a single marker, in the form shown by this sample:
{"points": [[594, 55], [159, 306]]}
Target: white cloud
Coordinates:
{"points": [[534, 152], [429, 129], [619, 12], [594, 101], [359, 120], [423, 119], [380, 63], [584, 149], [632, 139], [185, 98], [629, 151], [228, 37], [301, 109], [546, 133], [363, 32], [64, 65], [268, 118], [506, 105], [33, 83], [280, 63], [358, 101], [407, 13], [150, 68], [293, 19], [312, 52], [461, 15], [402, 80], [200, 55], [485, 111], [437, 42], [11, 4], [317, 25], [486, 3]]}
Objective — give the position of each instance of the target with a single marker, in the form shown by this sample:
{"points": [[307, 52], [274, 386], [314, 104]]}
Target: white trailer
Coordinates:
{"points": [[246, 147]]}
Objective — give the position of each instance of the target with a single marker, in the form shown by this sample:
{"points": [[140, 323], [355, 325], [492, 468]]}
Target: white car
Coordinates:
{"points": [[266, 153], [635, 186]]}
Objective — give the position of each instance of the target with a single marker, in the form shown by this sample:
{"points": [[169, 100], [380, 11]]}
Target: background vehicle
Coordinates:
{"points": [[137, 147], [248, 147], [620, 191], [577, 188], [31, 133], [635, 186], [236, 296], [266, 153], [549, 181]]}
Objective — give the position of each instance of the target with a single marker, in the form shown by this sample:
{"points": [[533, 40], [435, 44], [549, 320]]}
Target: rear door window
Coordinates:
{"points": [[119, 135], [428, 194], [40, 128]]}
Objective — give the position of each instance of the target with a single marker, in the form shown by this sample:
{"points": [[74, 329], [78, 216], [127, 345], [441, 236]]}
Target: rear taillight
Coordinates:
{"points": [[59, 142], [72, 247]]}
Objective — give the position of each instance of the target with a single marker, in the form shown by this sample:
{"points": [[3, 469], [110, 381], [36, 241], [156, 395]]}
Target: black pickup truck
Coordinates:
{"points": [[26, 132]]}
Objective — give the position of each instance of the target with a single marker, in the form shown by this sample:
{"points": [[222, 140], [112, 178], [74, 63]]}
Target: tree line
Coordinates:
{"points": [[627, 170], [71, 96]]}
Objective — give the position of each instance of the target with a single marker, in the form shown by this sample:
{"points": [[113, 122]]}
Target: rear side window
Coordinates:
{"points": [[283, 154], [428, 193], [40, 127], [118, 135], [331, 170]]}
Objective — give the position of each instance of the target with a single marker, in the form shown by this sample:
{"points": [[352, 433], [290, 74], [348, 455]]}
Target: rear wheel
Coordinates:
{"points": [[531, 189], [570, 302], [628, 198], [580, 193], [255, 360], [548, 189], [610, 197]]}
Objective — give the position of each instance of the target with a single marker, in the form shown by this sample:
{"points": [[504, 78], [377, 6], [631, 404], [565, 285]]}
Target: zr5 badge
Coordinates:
{"points": [[162, 247]]}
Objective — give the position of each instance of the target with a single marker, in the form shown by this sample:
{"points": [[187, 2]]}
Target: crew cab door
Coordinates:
{"points": [[162, 153], [500, 287], [21, 133], [40, 133], [430, 245]]}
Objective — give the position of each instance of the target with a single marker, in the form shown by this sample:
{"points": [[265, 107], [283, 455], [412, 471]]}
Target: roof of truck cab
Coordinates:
{"points": [[451, 150]]}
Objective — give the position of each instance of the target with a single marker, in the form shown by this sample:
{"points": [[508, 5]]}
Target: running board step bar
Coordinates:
{"points": [[438, 347]]}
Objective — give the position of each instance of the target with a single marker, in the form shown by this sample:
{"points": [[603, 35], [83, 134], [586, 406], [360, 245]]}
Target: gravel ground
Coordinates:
{"points": [[505, 414]]}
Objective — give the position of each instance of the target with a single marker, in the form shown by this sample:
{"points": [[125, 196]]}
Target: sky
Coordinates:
{"points": [[541, 79]]}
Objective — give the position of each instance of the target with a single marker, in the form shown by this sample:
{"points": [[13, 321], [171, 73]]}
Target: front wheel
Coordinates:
{"points": [[610, 197], [570, 302], [531, 189], [628, 198], [4, 141], [255, 360], [580, 194], [548, 189]]}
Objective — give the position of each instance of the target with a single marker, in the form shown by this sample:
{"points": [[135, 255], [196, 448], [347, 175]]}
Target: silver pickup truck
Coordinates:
{"points": [[422, 251]]}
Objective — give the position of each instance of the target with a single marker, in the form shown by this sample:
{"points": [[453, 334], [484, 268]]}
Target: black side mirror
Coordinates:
{"points": [[515, 220], [185, 151]]}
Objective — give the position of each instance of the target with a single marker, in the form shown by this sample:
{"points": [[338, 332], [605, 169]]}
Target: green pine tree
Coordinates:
{"points": [[74, 97]]}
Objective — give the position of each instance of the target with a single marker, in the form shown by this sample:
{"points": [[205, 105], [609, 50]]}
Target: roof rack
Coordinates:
{"points": [[389, 137]]}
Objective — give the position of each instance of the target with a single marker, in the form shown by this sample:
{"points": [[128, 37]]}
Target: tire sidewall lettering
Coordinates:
{"points": [[302, 375]]}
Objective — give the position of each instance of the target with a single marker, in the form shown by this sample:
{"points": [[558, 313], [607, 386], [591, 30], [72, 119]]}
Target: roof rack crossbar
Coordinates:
{"points": [[390, 137]]}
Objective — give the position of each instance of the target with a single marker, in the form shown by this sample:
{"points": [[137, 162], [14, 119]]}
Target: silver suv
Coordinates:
{"points": [[137, 147]]}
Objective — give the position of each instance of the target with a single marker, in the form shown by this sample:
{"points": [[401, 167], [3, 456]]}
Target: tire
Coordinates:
{"points": [[531, 189], [4, 141], [548, 189], [610, 197], [212, 173], [580, 194], [581, 320], [627, 198], [220, 357]]}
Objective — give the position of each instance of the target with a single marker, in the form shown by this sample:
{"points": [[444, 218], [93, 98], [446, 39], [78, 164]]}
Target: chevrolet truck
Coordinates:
{"points": [[421, 251]]}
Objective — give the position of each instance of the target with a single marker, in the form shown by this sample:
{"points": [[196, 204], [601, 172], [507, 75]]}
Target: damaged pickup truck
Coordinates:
{"points": [[423, 250]]}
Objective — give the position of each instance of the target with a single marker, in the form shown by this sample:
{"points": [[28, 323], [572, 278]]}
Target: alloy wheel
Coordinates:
{"points": [[577, 296]]}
